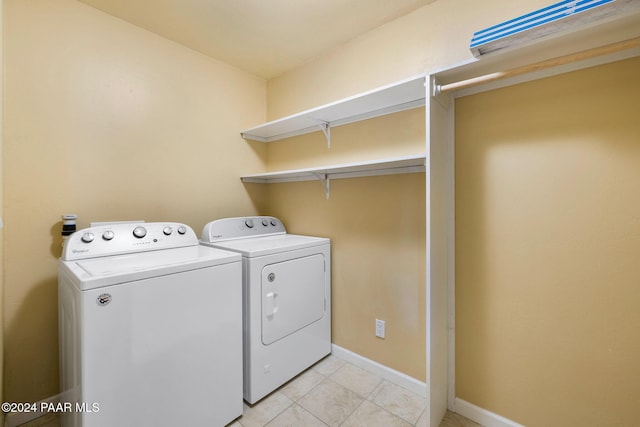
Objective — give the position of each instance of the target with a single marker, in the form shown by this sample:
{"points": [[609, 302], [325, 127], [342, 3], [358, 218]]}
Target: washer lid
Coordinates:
{"points": [[267, 245], [104, 271]]}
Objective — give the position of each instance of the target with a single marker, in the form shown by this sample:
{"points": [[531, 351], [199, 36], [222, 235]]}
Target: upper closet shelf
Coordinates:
{"points": [[389, 166], [399, 96]]}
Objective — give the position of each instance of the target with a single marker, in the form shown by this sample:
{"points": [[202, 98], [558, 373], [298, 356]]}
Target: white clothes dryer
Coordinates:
{"points": [[150, 326], [286, 298]]}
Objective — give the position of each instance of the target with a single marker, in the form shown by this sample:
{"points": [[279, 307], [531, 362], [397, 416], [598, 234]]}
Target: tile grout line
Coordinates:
{"points": [[295, 402], [366, 398], [328, 377]]}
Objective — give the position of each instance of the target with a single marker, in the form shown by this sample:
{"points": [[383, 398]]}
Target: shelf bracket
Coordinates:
{"points": [[325, 127], [326, 183]]}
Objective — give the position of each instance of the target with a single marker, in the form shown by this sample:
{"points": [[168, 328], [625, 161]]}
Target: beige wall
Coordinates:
{"points": [[433, 37], [542, 346], [111, 122], [1, 209], [88, 95], [547, 246], [378, 268], [377, 231]]}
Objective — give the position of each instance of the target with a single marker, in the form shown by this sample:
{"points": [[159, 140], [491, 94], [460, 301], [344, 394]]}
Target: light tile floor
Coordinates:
{"points": [[335, 393], [331, 393]]}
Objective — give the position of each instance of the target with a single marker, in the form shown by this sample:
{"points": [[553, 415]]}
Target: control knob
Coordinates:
{"points": [[182, 229], [108, 235], [273, 222], [249, 223], [167, 231], [139, 232], [88, 237]]}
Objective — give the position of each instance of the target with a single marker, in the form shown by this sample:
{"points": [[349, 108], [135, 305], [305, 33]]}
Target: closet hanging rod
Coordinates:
{"points": [[542, 65]]}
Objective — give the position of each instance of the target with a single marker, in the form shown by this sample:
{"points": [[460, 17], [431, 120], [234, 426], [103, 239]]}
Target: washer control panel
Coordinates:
{"points": [[241, 227], [122, 238]]}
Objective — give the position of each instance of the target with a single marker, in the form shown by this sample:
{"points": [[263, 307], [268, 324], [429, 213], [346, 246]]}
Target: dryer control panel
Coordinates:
{"points": [[123, 238], [241, 228]]}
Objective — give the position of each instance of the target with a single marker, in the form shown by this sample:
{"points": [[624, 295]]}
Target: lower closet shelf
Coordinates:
{"points": [[388, 166]]}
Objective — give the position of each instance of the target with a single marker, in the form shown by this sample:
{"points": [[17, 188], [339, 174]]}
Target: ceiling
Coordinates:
{"points": [[263, 37]]}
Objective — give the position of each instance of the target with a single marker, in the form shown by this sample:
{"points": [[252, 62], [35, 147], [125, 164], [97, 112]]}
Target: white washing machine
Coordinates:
{"points": [[286, 298], [150, 326]]}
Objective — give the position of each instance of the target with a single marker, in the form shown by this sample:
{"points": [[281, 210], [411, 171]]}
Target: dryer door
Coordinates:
{"points": [[293, 296]]}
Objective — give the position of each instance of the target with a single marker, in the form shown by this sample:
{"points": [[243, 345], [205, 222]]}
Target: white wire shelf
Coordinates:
{"points": [[389, 166], [400, 96]]}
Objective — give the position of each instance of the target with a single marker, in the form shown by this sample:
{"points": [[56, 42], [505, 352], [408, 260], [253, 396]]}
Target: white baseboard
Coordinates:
{"points": [[482, 416], [381, 370]]}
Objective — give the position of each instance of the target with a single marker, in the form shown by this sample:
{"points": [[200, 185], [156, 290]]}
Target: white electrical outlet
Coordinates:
{"points": [[380, 328]]}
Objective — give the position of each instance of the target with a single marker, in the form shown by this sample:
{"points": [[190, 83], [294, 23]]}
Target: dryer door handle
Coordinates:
{"points": [[271, 304]]}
